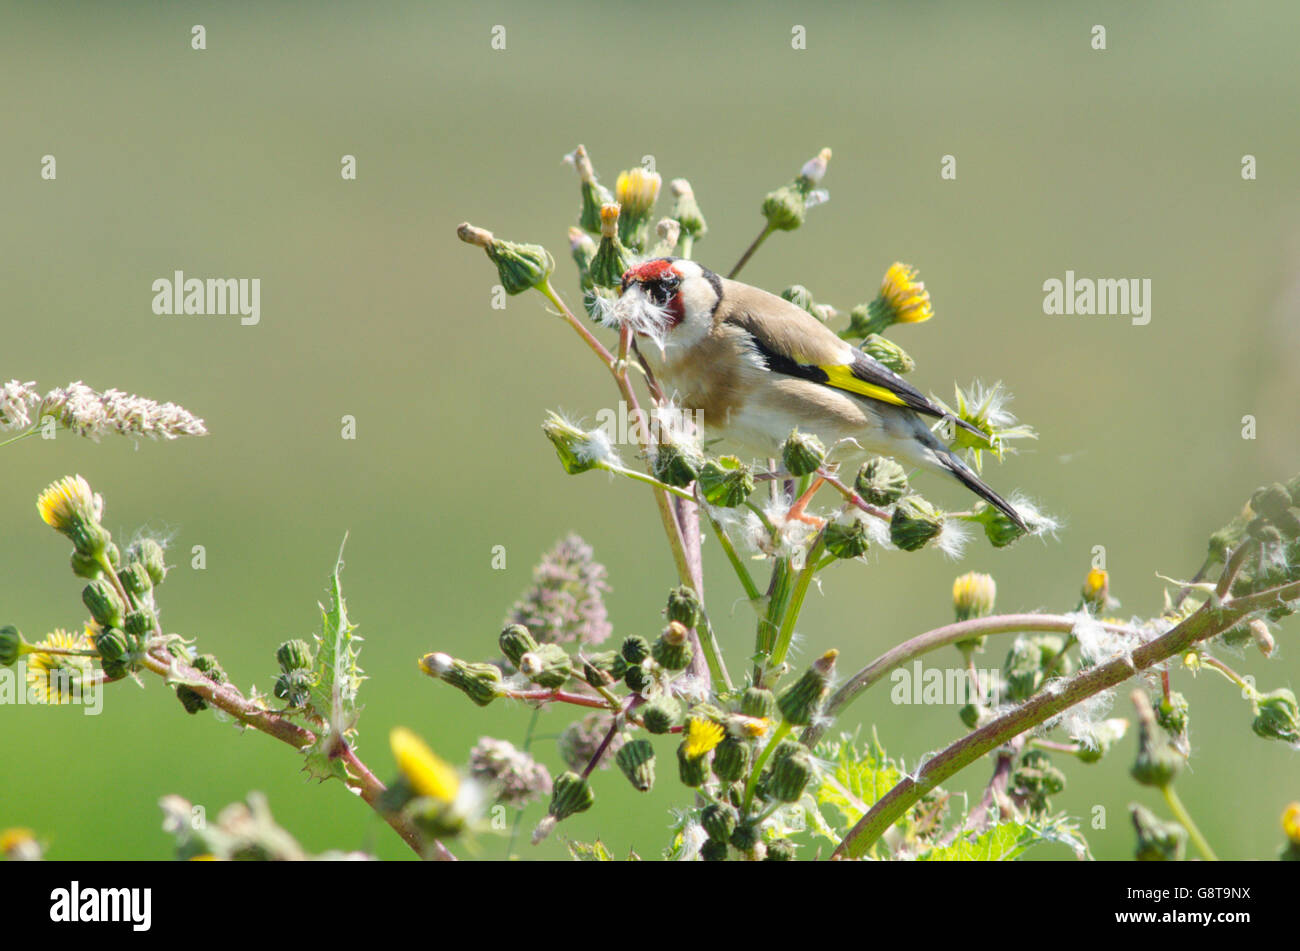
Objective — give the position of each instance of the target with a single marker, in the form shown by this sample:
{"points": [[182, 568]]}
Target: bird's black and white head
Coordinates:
{"points": [[670, 300]]}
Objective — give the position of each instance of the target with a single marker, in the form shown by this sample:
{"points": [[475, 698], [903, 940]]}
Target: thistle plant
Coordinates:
{"points": [[750, 743]]}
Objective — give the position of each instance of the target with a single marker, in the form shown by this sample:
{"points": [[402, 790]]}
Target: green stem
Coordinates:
{"points": [[802, 584], [749, 251], [1184, 817], [1215, 664], [779, 734], [737, 564], [23, 435], [769, 625], [648, 480]]}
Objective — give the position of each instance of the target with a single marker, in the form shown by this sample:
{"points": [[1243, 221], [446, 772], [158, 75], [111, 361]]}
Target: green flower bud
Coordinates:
{"points": [[802, 453], [612, 258], [1103, 737], [693, 771], [599, 669], [12, 645], [686, 210], [747, 835], [190, 700], [578, 451], [672, 650], [969, 715], [549, 666], [520, 266], [295, 654], [86, 566], [1274, 503], [786, 207], [881, 481], [758, 702], [713, 851], [115, 669], [676, 465], [720, 820], [726, 482], [802, 700], [683, 606], [637, 761], [915, 523], [1171, 713], [637, 678], [105, 604], [1277, 717], [294, 687], [888, 353], [635, 649], [594, 195], [210, 667], [1022, 669], [139, 623], [790, 774], [149, 553], [846, 539], [1157, 761], [135, 579], [1157, 841], [780, 850], [1037, 777], [480, 682], [661, 714], [583, 250], [731, 759], [516, 641], [998, 527], [570, 794], [802, 298]]}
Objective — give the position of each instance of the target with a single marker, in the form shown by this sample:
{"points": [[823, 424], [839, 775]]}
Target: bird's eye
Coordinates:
{"points": [[660, 291]]}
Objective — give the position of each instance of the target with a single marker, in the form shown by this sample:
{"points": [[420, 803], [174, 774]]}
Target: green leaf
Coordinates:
{"points": [[333, 696], [1009, 840], [856, 780], [589, 851]]}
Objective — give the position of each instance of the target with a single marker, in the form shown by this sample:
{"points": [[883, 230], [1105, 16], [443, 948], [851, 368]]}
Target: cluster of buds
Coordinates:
{"points": [[786, 208], [119, 592]]}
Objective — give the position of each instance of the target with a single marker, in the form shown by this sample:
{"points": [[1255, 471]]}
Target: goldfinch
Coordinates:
{"points": [[755, 367]]}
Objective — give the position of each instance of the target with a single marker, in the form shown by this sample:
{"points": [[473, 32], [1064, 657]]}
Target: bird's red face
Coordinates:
{"points": [[659, 280]]}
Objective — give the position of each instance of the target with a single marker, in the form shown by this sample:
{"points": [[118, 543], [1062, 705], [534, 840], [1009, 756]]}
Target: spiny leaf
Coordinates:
{"points": [[337, 682]]}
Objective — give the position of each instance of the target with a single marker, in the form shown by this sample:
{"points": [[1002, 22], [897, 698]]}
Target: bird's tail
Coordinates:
{"points": [[973, 482]]}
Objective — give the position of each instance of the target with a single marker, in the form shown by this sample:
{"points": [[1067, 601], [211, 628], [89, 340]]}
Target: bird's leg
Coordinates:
{"points": [[797, 510]]}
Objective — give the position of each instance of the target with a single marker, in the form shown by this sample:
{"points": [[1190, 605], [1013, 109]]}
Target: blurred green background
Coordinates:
{"points": [[225, 162]]}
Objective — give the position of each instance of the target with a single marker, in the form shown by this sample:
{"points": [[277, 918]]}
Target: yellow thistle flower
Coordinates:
{"points": [[66, 502], [1291, 822], [907, 298], [50, 677], [702, 736], [424, 770], [18, 844], [1096, 589], [973, 595], [637, 191]]}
